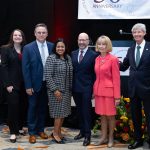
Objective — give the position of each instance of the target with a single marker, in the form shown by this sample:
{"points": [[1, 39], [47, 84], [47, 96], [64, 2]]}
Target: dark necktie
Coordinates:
{"points": [[138, 55], [81, 56]]}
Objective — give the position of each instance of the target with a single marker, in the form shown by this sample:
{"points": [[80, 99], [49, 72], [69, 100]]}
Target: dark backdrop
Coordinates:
{"points": [[61, 19]]}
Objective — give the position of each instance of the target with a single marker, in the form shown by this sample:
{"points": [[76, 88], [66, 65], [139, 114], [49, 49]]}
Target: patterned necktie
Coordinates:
{"points": [[81, 56], [138, 55], [43, 54]]}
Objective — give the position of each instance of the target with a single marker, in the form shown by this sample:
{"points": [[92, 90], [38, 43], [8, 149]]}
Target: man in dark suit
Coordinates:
{"points": [[83, 61], [138, 59], [34, 58]]}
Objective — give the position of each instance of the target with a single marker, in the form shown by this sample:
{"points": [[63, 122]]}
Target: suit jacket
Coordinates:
{"points": [[139, 77], [32, 65], [107, 77], [11, 68], [83, 73], [57, 73]]}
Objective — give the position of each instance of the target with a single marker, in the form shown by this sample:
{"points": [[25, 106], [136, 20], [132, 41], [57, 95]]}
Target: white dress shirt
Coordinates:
{"points": [[141, 49]]}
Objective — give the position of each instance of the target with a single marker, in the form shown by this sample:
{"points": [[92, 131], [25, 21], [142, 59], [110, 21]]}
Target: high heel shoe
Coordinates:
{"points": [[110, 143], [63, 138], [22, 132], [57, 141], [13, 138], [52, 135], [101, 142]]}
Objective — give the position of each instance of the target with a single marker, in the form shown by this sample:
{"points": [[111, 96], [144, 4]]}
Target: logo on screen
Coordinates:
{"points": [[113, 1]]}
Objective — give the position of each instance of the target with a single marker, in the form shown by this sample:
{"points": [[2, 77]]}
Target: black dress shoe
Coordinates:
{"points": [[136, 144], [78, 137], [86, 141]]}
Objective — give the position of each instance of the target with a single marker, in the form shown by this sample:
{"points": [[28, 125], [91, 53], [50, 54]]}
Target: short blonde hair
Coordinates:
{"points": [[107, 41]]}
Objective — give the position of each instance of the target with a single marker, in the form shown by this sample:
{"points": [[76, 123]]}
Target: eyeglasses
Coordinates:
{"points": [[41, 33], [82, 40]]}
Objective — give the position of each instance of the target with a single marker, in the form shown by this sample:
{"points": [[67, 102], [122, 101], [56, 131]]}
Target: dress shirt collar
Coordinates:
{"points": [[39, 43], [141, 45], [84, 50]]}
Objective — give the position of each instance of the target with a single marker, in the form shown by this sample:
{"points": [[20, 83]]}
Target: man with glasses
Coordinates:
{"points": [[83, 61], [34, 58]]}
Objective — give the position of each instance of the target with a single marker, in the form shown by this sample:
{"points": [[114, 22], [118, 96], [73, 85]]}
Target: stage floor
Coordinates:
{"points": [[23, 144]]}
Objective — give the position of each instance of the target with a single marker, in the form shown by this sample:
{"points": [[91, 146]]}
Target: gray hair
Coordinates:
{"points": [[140, 26]]}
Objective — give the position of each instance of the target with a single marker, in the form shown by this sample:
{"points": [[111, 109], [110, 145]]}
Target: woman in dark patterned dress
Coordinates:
{"points": [[58, 75]]}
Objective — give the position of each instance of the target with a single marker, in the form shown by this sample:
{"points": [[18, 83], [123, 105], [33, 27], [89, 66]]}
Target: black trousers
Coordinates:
{"points": [[136, 107], [84, 111], [17, 110]]}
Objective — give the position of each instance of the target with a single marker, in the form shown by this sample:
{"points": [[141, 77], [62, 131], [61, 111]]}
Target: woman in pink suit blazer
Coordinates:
{"points": [[106, 88]]}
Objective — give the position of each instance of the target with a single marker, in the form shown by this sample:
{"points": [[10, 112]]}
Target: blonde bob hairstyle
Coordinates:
{"points": [[106, 40]]}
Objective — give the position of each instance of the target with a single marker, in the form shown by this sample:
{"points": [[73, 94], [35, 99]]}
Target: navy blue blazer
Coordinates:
{"points": [[32, 65], [139, 77], [83, 73]]}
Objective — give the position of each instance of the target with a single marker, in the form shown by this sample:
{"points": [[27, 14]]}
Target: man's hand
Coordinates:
{"points": [[10, 89], [30, 91]]}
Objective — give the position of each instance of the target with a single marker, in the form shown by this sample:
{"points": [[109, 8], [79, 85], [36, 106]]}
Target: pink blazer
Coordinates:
{"points": [[107, 76]]}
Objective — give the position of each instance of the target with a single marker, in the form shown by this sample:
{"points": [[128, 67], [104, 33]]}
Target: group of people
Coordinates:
{"points": [[49, 76]]}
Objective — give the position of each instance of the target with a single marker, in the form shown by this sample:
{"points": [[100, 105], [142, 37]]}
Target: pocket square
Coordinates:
{"points": [[147, 49]]}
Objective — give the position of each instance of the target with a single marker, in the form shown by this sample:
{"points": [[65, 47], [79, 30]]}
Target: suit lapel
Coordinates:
{"points": [[36, 49], [85, 57], [133, 56], [76, 56], [145, 53], [49, 48]]}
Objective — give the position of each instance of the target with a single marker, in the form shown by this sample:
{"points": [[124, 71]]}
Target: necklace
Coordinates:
{"points": [[102, 60]]}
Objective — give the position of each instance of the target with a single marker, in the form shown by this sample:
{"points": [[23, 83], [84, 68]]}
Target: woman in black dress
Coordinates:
{"points": [[11, 63]]}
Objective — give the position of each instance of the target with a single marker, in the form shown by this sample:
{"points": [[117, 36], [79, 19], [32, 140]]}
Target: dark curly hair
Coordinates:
{"points": [[55, 45]]}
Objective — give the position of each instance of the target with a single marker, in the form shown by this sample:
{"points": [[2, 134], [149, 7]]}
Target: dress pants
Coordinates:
{"points": [[13, 99], [37, 108], [136, 107], [84, 108]]}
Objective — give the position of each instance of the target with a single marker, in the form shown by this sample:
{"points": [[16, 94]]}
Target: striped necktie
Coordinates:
{"points": [[81, 56]]}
